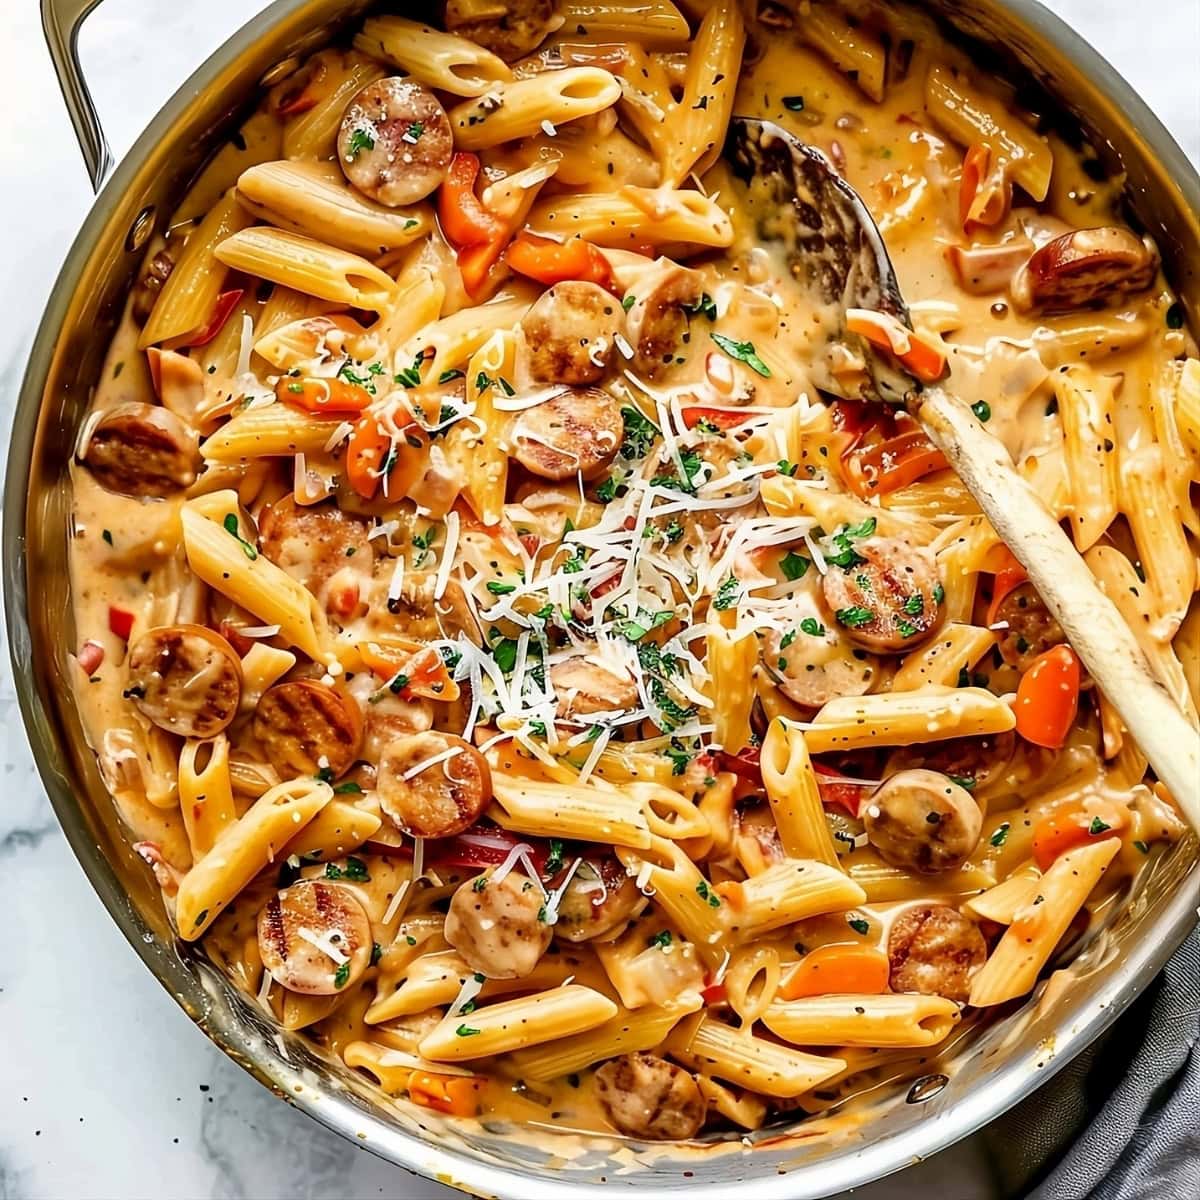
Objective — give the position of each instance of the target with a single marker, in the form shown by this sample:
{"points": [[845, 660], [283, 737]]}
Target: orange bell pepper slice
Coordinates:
{"points": [[722, 418], [368, 453], [925, 359], [457, 1095], [552, 262], [323, 395], [1048, 698], [839, 970], [984, 195], [478, 235], [1074, 824], [892, 464], [1009, 576]]}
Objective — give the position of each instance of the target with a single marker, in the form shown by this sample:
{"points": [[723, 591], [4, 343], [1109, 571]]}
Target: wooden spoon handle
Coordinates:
{"points": [[1089, 618]]}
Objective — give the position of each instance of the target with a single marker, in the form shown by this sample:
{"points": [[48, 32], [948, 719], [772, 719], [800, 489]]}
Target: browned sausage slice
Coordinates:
{"points": [[314, 937], [418, 615], [433, 784], [142, 450], [583, 688], [395, 141], [812, 665], [933, 949], [647, 1097], [889, 601], [570, 332], [577, 432], [1086, 268], [971, 762], [657, 323], [150, 285], [922, 821], [307, 727], [1029, 627], [499, 926], [600, 896], [313, 542], [517, 29], [186, 679]]}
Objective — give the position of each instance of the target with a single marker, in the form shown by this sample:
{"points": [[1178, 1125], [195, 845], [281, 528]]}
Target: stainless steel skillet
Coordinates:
{"points": [[991, 1070]]}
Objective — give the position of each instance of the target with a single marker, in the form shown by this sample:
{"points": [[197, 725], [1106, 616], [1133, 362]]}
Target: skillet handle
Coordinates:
{"points": [[61, 20]]}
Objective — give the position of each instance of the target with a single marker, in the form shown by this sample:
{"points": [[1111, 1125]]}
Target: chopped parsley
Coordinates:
{"points": [[410, 377], [629, 301], [704, 307], [232, 528], [342, 975], [793, 565], [706, 893], [497, 588], [679, 757], [635, 630], [728, 594], [107, 536], [325, 775], [479, 884], [451, 376], [661, 939], [787, 639], [966, 782], [414, 131], [376, 954], [786, 468], [859, 925], [939, 593], [360, 140], [640, 433], [812, 627], [349, 788], [692, 462], [399, 683], [465, 1031], [1143, 847], [743, 352], [606, 490], [504, 652], [1097, 827], [423, 541], [846, 556], [1001, 835], [904, 628], [355, 870], [793, 103], [983, 410], [554, 860], [914, 605], [855, 617]]}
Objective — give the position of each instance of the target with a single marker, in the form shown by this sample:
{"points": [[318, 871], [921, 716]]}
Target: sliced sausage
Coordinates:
{"points": [[150, 286], [583, 688], [812, 665], [395, 141], [657, 324], [972, 762], [921, 820], [312, 543], [307, 727], [447, 794], [142, 450], [1086, 268], [888, 601], [1029, 627], [933, 949], [600, 896], [186, 679], [315, 937], [417, 614], [577, 432], [570, 332], [499, 928], [517, 29], [647, 1097]]}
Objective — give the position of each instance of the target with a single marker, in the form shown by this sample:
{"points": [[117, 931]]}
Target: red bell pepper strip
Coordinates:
{"points": [[226, 303]]}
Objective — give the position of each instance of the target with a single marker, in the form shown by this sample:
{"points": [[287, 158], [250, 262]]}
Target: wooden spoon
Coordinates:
{"points": [[832, 241]]}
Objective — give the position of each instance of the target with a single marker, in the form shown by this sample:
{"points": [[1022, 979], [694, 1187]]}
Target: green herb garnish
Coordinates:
{"points": [[743, 352]]}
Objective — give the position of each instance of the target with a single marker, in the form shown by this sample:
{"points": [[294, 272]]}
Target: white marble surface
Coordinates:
{"points": [[106, 1089]]}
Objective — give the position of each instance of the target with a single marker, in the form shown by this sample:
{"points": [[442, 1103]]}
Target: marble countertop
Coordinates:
{"points": [[106, 1088]]}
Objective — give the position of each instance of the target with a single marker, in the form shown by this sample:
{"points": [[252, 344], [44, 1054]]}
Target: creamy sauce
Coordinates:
{"points": [[422, 566]]}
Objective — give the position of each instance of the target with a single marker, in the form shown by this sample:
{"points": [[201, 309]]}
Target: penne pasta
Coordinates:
{"points": [[634, 216], [439, 60], [795, 797], [888, 1020]]}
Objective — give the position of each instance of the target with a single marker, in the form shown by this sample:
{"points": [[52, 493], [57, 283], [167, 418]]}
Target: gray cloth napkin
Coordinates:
{"points": [[1130, 1104]]}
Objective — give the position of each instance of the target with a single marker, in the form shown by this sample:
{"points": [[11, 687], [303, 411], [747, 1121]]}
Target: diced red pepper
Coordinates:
{"points": [[714, 993], [483, 846], [746, 763], [722, 418], [226, 303], [837, 793], [120, 621]]}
